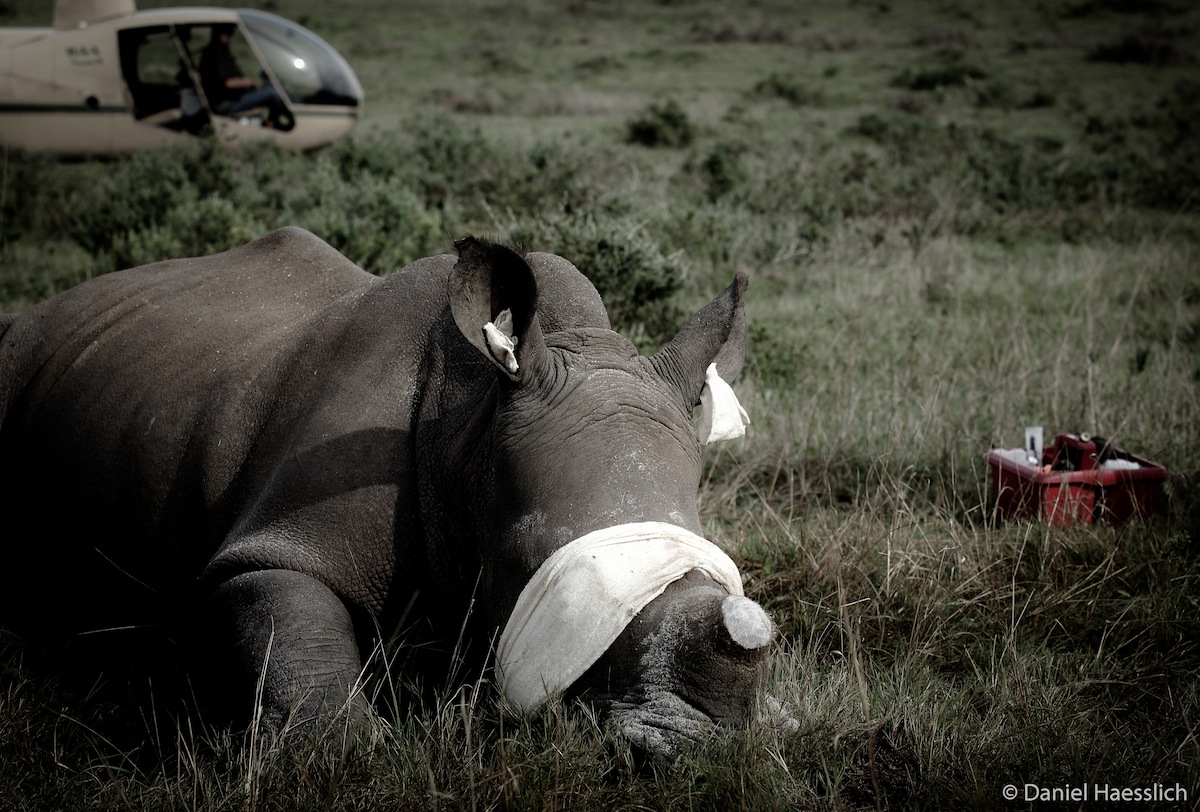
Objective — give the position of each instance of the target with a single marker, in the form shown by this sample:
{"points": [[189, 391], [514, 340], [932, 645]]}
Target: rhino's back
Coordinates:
{"points": [[153, 322], [136, 368], [128, 404]]}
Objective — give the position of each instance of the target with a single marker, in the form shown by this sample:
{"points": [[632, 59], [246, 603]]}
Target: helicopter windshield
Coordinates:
{"points": [[309, 69]]}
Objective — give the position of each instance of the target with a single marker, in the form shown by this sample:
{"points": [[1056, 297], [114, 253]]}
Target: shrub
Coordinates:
{"points": [[956, 74], [945, 38], [380, 223], [780, 86], [903, 132], [762, 33], [382, 200], [42, 196], [773, 355], [207, 225], [448, 159], [627, 266], [462, 175], [661, 125], [721, 170], [1149, 46], [136, 196], [1151, 160], [1038, 99], [1088, 8], [996, 94]]}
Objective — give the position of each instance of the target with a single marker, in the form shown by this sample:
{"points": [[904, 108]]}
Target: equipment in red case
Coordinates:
{"points": [[1077, 480]]}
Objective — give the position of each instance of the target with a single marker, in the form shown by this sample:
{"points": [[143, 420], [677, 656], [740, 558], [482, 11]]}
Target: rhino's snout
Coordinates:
{"points": [[746, 622], [702, 668]]}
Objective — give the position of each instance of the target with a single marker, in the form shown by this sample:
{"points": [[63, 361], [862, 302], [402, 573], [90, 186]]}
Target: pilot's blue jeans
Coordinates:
{"points": [[262, 96]]}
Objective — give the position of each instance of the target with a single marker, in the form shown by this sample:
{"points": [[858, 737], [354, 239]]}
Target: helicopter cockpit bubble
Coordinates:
{"points": [[309, 69]]}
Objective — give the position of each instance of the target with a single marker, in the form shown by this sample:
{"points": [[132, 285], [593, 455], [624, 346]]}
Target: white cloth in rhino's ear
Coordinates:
{"points": [[501, 341], [721, 414], [585, 594]]}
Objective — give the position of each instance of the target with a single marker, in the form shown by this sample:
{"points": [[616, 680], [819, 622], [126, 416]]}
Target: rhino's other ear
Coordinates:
{"points": [[715, 335], [493, 297]]}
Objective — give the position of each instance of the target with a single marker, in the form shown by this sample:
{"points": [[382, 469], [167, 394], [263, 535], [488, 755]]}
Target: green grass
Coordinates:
{"points": [[958, 221]]}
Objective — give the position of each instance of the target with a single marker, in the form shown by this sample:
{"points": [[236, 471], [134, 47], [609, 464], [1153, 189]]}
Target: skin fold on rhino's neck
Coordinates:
{"points": [[513, 470]]}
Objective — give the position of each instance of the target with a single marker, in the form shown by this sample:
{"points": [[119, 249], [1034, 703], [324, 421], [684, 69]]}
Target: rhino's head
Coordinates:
{"points": [[593, 461]]}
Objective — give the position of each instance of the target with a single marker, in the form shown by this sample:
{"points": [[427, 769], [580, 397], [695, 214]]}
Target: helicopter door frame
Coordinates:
{"points": [[155, 88], [285, 120], [204, 114]]}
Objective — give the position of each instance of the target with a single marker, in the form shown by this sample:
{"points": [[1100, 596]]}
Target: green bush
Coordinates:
{"points": [[195, 228], [379, 222], [448, 159], [1153, 159], [722, 170], [1147, 46], [995, 176], [1038, 99], [661, 125], [996, 93], [779, 86], [956, 74], [1089, 8], [383, 201], [137, 196], [634, 277], [386, 199]]}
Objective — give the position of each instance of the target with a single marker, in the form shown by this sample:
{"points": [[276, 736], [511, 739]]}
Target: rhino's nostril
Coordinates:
{"points": [[746, 622]]}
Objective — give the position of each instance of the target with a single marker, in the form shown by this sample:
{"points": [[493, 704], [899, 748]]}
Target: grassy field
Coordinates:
{"points": [[958, 221]]}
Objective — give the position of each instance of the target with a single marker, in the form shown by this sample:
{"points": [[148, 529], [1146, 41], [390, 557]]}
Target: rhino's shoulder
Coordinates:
{"points": [[286, 261], [291, 247]]}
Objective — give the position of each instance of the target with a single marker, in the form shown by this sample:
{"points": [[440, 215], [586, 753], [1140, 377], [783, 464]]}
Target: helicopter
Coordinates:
{"points": [[107, 79]]}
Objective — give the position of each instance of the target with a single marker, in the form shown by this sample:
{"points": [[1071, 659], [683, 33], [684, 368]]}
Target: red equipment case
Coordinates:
{"points": [[1071, 486]]}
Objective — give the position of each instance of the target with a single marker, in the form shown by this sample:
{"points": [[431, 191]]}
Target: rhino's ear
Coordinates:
{"points": [[493, 297], [715, 335]]}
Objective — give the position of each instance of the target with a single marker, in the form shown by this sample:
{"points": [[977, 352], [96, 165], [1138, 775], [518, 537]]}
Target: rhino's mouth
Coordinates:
{"points": [[661, 726], [586, 593], [695, 675], [692, 662]]}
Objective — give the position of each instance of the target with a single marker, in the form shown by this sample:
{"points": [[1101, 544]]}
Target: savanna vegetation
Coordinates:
{"points": [[960, 219]]}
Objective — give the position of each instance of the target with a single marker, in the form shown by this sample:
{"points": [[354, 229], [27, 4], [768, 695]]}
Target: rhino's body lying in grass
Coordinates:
{"points": [[277, 456]]}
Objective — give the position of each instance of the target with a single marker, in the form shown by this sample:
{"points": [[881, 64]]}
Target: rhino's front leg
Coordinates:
{"points": [[285, 640]]}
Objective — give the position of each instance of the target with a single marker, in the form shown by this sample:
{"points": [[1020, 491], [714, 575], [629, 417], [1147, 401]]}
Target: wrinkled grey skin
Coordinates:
{"points": [[273, 460]]}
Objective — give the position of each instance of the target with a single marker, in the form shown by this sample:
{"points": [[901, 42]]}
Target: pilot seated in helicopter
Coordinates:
{"points": [[228, 90]]}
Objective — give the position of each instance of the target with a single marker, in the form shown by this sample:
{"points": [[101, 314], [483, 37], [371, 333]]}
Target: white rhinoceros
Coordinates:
{"points": [[278, 462]]}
